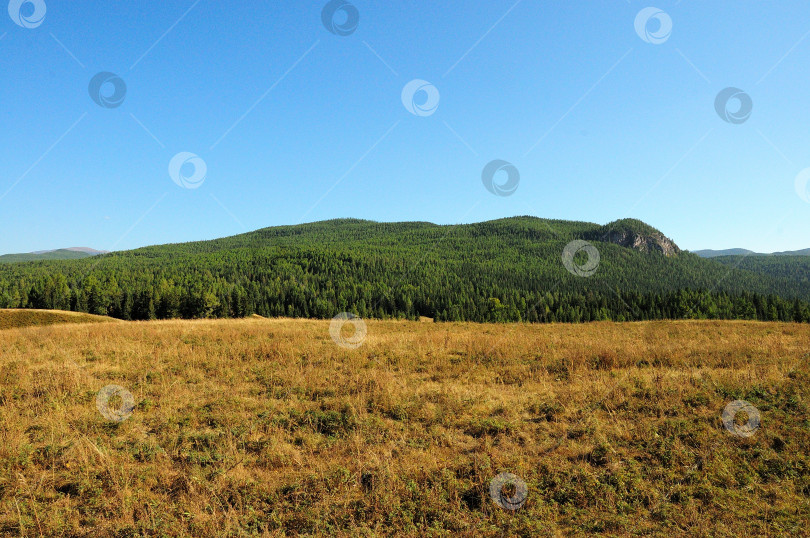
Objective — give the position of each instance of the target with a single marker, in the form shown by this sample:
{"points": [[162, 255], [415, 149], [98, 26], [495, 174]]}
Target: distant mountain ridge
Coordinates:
{"points": [[72, 253], [86, 250], [709, 253]]}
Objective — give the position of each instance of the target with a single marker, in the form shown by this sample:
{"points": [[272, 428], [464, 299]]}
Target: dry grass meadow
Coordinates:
{"points": [[264, 427]]}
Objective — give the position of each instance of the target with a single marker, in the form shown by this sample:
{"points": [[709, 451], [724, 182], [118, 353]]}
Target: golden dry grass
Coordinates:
{"points": [[266, 427]]}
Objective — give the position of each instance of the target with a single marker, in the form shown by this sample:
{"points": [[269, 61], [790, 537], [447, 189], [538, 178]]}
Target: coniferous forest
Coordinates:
{"points": [[499, 271]]}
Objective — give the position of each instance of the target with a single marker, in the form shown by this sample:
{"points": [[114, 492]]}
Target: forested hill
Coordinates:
{"points": [[503, 270]]}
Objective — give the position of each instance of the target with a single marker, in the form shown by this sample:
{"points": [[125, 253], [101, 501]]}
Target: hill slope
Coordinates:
{"points": [[503, 270]]}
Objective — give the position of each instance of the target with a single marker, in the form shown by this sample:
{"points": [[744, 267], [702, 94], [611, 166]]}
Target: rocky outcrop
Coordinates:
{"points": [[653, 242]]}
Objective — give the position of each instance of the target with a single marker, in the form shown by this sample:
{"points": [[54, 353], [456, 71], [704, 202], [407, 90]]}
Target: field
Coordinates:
{"points": [[267, 427]]}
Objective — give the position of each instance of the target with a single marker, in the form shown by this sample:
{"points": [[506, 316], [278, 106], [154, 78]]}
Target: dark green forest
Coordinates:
{"points": [[503, 270]]}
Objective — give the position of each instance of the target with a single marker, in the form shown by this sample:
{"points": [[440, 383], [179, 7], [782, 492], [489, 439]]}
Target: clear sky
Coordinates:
{"points": [[297, 123]]}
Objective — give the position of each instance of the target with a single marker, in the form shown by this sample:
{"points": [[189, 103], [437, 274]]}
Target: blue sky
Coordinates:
{"points": [[295, 123]]}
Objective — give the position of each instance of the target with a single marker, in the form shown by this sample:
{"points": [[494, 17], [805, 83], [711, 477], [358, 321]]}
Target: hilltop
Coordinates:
{"points": [[635, 234], [503, 270]]}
